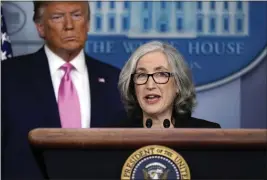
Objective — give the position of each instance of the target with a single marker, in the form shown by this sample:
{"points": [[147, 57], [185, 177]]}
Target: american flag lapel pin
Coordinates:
{"points": [[101, 80]]}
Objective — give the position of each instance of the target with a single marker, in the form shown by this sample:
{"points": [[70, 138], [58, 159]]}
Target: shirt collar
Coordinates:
{"points": [[55, 62]]}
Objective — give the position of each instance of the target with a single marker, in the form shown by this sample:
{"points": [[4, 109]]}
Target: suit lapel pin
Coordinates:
{"points": [[101, 80]]}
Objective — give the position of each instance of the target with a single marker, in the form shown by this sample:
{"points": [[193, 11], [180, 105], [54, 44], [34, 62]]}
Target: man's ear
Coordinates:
{"points": [[88, 26], [40, 29]]}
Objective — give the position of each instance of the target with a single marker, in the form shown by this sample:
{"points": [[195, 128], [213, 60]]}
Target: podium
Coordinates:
{"points": [[102, 153]]}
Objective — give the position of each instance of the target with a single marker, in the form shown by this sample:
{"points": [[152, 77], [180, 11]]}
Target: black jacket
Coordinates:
{"points": [[28, 102], [181, 121]]}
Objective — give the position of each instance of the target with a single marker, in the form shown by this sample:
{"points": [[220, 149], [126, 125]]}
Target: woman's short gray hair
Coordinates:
{"points": [[186, 98]]}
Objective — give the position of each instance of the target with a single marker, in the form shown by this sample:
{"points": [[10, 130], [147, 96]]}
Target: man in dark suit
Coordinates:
{"points": [[57, 86]]}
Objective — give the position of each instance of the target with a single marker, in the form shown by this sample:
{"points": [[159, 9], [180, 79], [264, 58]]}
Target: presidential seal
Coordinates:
{"points": [[155, 162]]}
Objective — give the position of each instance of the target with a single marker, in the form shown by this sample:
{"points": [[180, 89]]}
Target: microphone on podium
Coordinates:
{"points": [[149, 123], [166, 123]]}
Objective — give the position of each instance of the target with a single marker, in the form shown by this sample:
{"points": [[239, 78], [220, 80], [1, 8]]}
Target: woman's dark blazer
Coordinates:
{"points": [[181, 121]]}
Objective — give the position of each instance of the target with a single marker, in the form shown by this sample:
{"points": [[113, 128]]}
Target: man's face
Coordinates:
{"points": [[64, 25]]}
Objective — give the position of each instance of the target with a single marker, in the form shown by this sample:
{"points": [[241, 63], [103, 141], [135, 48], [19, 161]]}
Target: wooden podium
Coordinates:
{"points": [[101, 153]]}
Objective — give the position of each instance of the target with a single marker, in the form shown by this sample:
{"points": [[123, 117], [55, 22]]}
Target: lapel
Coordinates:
{"points": [[96, 89], [44, 90], [182, 120], [45, 95]]}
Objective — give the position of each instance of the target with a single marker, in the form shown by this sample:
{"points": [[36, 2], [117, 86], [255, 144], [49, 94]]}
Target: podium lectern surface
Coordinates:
{"points": [[102, 153]]}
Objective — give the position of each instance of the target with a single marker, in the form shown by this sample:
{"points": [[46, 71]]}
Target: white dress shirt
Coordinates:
{"points": [[80, 79]]}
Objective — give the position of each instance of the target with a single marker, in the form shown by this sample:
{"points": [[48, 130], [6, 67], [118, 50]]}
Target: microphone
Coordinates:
{"points": [[166, 123], [149, 123]]}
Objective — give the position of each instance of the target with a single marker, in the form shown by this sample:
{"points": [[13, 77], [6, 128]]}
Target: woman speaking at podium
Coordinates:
{"points": [[157, 90]]}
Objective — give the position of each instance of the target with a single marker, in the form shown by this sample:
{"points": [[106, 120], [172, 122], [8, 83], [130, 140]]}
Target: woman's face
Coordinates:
{"points": [[155, 99]]}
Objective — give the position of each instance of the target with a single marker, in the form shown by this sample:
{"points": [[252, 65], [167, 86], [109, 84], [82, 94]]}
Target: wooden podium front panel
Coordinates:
{"points": [[203, 164], [101, 154]]}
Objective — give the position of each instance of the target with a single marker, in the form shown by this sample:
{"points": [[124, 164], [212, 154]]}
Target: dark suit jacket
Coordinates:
{"points": [[28, 102], [181, 121]]}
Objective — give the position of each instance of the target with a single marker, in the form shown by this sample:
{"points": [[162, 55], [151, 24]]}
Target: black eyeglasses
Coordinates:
{"points": [[158, 77]]}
